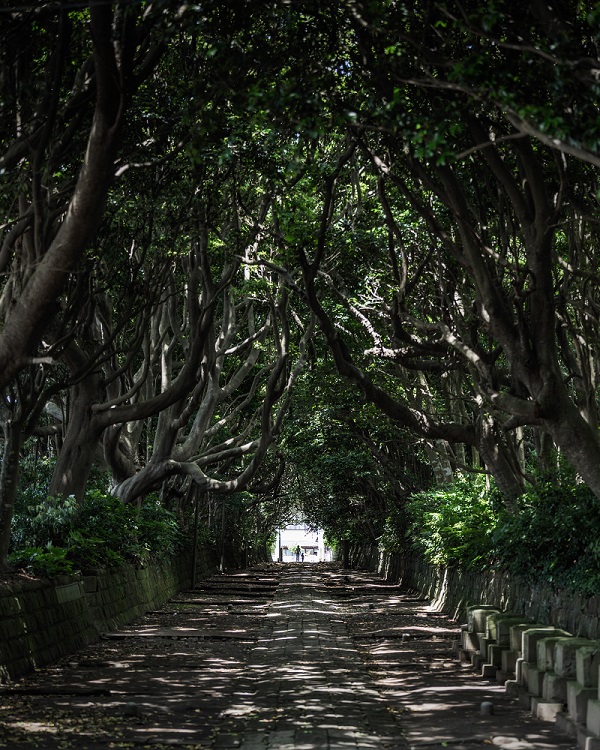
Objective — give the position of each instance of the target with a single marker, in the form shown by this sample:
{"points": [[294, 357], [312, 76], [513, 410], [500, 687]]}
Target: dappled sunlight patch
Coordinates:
{"points": [[301, 672], [34, 727], [388, 649], [184, 731]]}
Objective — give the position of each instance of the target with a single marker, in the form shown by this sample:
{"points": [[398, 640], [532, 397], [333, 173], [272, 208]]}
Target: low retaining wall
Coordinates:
{"points": [[552, 673], [43, 620], [117, 598], [541, 643], [453, 590]]}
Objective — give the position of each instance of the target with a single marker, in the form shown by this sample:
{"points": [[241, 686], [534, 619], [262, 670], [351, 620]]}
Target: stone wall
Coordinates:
{"points": [[43, 620], [453, 590], [541, 643]]}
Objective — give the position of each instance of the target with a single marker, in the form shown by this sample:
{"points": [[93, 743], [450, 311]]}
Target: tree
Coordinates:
{"points": [[510, 201], [67, 92], [112, 395], [397, 172], [493, 205]]}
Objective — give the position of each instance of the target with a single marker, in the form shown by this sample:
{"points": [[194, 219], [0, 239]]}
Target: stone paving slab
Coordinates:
{"points": [[177, 633]]}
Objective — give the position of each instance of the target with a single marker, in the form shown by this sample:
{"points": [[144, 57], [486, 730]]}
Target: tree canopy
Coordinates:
{"points": [[333, 253]]}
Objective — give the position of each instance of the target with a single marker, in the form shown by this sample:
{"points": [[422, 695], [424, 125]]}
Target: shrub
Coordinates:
{"points": [[51, 561], [58, 536], [44, 521], [452, 524], [158, 529], [551, 533]]}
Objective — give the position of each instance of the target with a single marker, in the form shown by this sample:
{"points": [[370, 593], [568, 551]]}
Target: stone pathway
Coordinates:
{"points": [[306, 685], [292, 657]]}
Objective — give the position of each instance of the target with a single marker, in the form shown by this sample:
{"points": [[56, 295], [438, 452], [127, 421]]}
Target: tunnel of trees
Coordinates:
{"points": [[335, 257]]}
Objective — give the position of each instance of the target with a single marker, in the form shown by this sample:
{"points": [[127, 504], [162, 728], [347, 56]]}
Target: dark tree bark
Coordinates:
{"points": [[81, 442], [34, 306], [9, 480]]}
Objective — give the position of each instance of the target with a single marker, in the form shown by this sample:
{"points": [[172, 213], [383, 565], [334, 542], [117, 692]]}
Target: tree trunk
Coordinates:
{"points": [[37, 303], [79, 449], [9, 479], [345, 554], [195, 542], [440, 463], [577, 440], [496, 457], [546, 452]]}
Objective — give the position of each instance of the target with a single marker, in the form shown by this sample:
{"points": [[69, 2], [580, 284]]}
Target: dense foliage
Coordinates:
{"points": [[215, 214], [61, 536], [550, 534]]}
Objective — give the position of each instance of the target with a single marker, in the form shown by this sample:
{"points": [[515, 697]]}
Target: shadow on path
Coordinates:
{"points": [[293, 657]]}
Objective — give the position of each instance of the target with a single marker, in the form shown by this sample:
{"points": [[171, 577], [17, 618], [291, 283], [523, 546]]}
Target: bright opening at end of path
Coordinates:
{"points": [[298, 535]]}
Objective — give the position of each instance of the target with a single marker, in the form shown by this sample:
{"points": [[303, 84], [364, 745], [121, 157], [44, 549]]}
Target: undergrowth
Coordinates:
{"points": [[551, 533], [53, 536]]}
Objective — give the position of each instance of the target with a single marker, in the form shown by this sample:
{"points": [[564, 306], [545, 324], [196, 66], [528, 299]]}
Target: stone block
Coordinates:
{"points": [[519, 669], [525, 699], [512, 688], [587, 664], [20, 667], [41, 600], [494, 655], [489, 670], [592, 719], [68, 592], [577, 700], [10, 605], [498, 626], [516, 634], [545, 650], [501, 677], [565, 655], [469, 641], [545, 710], [12, 628], [566, 725], [484, 642], [476, 617], [68, 612], [46, 598], [63, 580], [534, 680], [13, 649], [45, 618], [531, 637], [36, 641], [509, 662], [90, 584], [554, 687]]}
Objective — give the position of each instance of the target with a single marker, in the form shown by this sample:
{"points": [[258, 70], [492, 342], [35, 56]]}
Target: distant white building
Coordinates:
{"points": [[311, 543]]}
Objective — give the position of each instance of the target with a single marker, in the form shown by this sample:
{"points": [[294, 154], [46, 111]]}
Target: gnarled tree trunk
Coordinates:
{"points": [[9, 480]]}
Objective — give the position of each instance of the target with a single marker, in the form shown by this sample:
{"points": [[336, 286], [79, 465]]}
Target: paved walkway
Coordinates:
{"points": [[306, 685], [292, 657]]}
